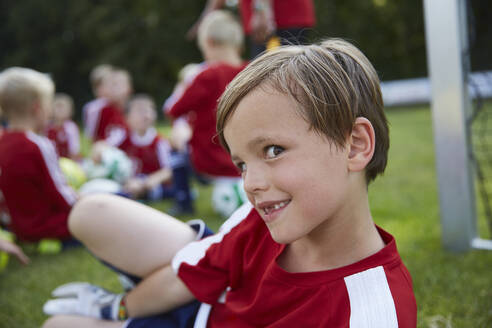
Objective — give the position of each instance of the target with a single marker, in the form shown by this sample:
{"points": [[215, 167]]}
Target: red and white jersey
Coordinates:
{"points": [[149, 152], [105, 121], [34, 189], [197, 101], [66, 138], [287, 13], [235, 274]]}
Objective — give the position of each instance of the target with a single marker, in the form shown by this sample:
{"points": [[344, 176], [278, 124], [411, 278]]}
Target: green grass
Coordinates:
{"points": [[454, 289]]}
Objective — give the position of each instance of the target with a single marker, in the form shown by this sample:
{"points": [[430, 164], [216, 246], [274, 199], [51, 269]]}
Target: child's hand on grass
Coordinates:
{"points": [[13, 249]]}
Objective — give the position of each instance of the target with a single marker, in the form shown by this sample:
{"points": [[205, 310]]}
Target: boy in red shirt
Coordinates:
{"points": [[62, 130], [100, 84], [306, 127], [197, 99], [220, 40], [157, 173], [33, 187], [104, 119]]}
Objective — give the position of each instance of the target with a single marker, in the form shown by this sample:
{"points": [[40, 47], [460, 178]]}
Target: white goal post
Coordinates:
{"points": [[448, 66]]}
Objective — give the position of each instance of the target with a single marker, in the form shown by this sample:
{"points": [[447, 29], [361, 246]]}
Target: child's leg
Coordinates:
{"points": [[181, 181], [131, 236], [64, 321]]}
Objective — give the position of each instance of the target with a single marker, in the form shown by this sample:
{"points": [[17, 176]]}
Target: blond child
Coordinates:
{"points": [[104, 119], [220, 39], [34, 189], [100, 81], [62, 130], [306, 127]]}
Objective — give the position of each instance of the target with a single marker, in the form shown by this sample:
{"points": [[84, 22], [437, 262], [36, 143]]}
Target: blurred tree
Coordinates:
{"points": [[147, 37]]}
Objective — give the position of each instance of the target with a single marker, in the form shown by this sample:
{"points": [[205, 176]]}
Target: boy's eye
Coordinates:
{"points": [[241, 166], [273, 151]]}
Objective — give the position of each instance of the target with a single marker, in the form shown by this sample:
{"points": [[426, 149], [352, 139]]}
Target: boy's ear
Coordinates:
{"points": [[362, 141], [36, 107]]}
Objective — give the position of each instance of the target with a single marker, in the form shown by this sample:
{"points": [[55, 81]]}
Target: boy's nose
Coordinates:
{"points": [[255, 179]]}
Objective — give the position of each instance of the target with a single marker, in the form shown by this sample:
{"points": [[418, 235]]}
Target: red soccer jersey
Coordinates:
{"points": [[105, 121], [66, 138], [236, 272], [148, 153], [198, 101], [34, 189], [287, 13]]}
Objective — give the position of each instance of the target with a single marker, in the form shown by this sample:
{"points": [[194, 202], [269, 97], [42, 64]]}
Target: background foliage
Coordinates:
{"points": [[147, 37]]}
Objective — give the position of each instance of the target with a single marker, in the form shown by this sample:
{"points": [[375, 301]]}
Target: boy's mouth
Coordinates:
{"points": [[269, 207]]}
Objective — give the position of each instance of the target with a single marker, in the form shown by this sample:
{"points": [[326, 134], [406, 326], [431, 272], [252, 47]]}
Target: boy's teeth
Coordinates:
{"points": [[275, 207]]}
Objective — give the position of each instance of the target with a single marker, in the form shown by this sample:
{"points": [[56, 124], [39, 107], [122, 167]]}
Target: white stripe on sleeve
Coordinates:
{"points": [[51, 161], [180, 90], [73, 137], [92, 111], [371, 302], [195, 251]]}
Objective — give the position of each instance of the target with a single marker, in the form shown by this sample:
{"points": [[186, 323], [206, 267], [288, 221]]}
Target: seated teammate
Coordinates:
{"points": [[32, 185]]}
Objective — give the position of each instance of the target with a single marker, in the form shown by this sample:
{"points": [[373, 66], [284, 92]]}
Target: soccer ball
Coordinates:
{"points": [[106, 186], [73, 172], [227, 196], [114, 165]]}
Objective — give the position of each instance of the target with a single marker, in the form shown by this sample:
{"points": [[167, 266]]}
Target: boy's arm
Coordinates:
{"points": [[195, 95], [161, 176], [160, 292]]}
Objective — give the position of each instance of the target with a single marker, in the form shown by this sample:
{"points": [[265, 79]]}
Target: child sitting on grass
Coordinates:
{"points": [[62, 130], [306, 127], [32, 185], [104, 119], [157, 174]]}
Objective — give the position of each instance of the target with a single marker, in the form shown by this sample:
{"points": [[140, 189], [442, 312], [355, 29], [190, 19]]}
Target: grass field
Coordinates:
{"points": [[452, 290]]}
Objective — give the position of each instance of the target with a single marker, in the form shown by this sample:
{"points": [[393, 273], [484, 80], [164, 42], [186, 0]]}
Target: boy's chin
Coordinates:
{"points": [[281, 237]]}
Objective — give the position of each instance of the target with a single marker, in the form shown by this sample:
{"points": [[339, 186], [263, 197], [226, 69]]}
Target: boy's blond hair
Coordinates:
{"points": [[222, 28], [20, 88], [332, 82], [98, 74], [124, 73]]}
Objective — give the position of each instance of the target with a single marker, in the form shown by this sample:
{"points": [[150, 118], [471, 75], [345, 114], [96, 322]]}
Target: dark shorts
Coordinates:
{"points": [[183, 316]]}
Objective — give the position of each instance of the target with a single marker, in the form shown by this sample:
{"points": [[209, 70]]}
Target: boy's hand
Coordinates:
{"points": [[11, 248], [135, 187], [80, 298]]}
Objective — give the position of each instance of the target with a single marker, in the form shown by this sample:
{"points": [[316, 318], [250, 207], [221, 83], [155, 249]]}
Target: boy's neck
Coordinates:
{"points": [[22, 124], [227, 55], [141, 133], [335, 244]]}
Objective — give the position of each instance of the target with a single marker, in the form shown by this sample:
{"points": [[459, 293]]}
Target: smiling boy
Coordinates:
{"points": [[306, 128]]}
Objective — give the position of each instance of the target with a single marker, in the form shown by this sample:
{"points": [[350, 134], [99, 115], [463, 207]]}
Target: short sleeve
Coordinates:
{"points": [[193, 95], [206, 266], [56, 183]]}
